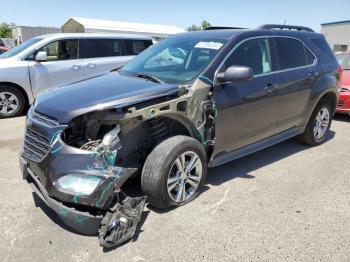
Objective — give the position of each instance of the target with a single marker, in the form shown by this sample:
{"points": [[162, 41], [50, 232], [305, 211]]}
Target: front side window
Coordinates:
{"points": [[59, 50], [252, 53], [292, 53], [94, 48], [175, 60]]}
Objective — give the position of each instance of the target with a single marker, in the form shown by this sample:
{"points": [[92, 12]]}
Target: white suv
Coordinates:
{"points": [[55, 60]]}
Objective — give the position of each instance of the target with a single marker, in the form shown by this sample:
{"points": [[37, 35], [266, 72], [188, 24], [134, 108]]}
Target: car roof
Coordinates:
{"points": [[94, 35], [230, 33]]}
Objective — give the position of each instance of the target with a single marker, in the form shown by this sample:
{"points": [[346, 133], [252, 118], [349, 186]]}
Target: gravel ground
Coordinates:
{"points": [[289, 202]]}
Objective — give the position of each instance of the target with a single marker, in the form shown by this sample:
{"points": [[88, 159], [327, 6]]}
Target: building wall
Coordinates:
{"points": [[23, 33], [336, 35]]}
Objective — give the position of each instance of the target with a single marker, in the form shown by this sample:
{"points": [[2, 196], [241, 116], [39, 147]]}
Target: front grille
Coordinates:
{"points": [[340, 104], [36, 147], [49, 121]]}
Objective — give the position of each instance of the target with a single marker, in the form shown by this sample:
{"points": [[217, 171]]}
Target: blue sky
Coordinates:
{"points": [[182, 13]]}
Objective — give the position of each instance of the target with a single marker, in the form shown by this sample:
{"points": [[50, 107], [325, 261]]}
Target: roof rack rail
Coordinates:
{"points": [[288, 27], [222, 27]]}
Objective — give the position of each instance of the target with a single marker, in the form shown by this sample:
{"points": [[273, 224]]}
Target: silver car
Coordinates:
{"points": [[55, 60]]}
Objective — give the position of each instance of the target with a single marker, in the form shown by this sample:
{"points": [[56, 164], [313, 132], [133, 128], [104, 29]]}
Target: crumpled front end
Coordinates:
{"points": [[79, 185]]}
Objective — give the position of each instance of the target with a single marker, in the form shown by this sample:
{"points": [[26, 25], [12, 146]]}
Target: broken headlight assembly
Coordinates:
{"points": [[78, 183]]}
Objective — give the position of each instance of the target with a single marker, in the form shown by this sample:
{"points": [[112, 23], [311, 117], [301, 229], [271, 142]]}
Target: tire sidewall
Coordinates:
{"points": [[20, 98], [176, 152], [319, 107], [170, 149]]}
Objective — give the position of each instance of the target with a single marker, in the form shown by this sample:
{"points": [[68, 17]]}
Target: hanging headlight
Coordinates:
{"points": [[78, 183]]}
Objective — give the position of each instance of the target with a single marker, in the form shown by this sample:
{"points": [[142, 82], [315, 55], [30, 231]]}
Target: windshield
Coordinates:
{"points": [[176, 60], [16, 50], [344, 60]]}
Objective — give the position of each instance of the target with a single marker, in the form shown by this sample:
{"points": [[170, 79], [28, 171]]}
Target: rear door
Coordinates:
{"points": [[100, 56], [246, 109], [62, 67], [297, 66]]}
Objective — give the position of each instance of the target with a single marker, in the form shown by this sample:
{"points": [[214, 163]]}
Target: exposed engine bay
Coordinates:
{"points": [[139, 128]]}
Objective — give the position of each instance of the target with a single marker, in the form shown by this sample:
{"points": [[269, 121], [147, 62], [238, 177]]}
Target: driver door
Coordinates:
{"points": [[62, 67], [246, 109]]}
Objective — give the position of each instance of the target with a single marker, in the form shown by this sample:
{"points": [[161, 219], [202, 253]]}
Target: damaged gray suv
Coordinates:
{"points": [[193, 101]]}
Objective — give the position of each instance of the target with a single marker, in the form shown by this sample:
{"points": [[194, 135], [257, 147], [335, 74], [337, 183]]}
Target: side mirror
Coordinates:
{"points": [[41, 57], [235, 73]]}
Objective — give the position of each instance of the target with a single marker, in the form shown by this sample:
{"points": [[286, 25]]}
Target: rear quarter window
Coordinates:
{"points": [[291, 53], [322, 49]]}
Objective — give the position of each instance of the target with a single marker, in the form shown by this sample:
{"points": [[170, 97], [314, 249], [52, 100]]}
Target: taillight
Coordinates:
{"points": [[340, 75]]}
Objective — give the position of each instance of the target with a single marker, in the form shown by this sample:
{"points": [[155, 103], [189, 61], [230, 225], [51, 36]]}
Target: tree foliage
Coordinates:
{"points": [[204, 25], [6, 30]]}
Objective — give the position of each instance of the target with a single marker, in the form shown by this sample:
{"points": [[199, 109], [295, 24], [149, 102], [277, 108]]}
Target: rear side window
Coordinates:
{"points": [[291, 53], [323, 49], [253, 53], [134, 47], [93, 48]]}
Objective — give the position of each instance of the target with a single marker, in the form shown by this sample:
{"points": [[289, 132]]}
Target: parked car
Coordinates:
{"points": [[344, 95], [229, 93], [55, 60]]}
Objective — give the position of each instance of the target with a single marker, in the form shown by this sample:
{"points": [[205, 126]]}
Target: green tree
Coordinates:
{"points": [[5, 30], [204, 25]]}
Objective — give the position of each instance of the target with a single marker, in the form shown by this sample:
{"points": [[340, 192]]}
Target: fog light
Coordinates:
{"points": [[78, 183]]}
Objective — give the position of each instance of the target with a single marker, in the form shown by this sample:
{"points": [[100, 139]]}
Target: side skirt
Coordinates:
{"points": [[252, 148]]}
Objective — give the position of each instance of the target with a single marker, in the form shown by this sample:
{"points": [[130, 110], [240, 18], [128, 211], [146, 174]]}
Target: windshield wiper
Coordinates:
{"points": [[148, 77]]}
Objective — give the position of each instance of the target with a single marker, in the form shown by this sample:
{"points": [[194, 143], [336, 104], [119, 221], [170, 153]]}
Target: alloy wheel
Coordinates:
{"points": [[184, 177], [321, 123], [8, 103]]}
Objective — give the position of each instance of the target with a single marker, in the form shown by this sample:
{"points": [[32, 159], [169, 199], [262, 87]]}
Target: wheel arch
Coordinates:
{"points": [[19, 88]]}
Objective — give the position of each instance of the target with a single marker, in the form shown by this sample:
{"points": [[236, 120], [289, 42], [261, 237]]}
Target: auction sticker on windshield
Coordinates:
{"points": [[209, 45]]}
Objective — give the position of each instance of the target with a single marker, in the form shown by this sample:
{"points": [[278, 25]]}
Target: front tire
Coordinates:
{"points": [[318, 126], [174, 172], [12, 102]]}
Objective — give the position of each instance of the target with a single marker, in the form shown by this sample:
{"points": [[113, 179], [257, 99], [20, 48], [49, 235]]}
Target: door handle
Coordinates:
{"points": [[91, 65], [312, 75], [75, 67], [270, 88]]}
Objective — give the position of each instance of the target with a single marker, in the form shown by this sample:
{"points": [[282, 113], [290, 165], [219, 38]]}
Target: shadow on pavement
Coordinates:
{"points": [[216, 176], [342, 118], [245, 165]]}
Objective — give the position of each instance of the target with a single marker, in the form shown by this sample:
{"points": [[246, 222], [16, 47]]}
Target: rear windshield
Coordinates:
{"points": [[344, 60], [14, 51]]}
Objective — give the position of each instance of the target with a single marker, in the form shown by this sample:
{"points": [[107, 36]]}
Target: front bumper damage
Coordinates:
{"points": [[82, 213]]}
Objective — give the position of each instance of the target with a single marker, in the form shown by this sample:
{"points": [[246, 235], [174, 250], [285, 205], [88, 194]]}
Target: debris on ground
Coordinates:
{"points": [[120, 222]]}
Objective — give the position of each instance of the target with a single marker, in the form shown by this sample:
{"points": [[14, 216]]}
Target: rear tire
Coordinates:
{"points": [[12, 102], [174, 172], [319, 123]]}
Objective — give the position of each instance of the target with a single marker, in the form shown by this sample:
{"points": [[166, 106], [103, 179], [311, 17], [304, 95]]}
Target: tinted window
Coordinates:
{"points": [[59, 50], [93, 48], [253, 53], [134, 47], [292, 53]]}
